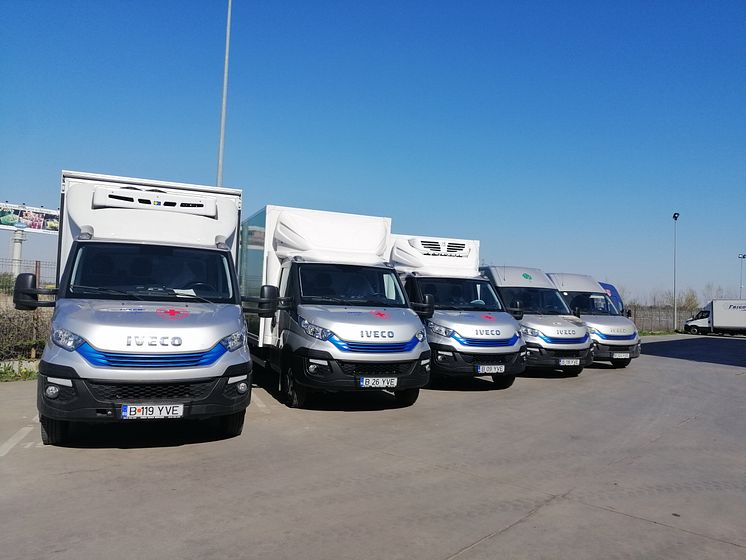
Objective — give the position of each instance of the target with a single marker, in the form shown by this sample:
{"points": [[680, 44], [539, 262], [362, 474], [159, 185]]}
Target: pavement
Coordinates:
{"points": [[646, 462]]}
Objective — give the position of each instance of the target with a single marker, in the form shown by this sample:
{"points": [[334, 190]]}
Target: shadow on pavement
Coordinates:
{"points": [[462, 384], [711, 350], [546, 373]]}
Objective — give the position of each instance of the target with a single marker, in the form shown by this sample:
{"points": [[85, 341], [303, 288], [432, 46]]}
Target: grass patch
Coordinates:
{"points": [[10, 372], [656, 333]]}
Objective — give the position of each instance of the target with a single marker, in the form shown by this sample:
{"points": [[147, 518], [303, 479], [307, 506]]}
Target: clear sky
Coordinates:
{"points": [[561, 134]]}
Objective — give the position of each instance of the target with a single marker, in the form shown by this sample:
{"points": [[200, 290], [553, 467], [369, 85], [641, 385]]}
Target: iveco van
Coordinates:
{"points": [[345, 323], [470, 334], [615, 337], [554, 338]]}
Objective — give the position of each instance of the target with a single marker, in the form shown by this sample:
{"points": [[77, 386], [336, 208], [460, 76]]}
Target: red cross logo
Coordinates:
{"points": [[380, 314], [488, 317], [172, 314]]}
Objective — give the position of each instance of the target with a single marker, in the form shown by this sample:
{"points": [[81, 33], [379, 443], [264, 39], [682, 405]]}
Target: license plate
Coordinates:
{"points": [[490, 369], [616, 355], [570, 362], [378, 382], [140, 411]]}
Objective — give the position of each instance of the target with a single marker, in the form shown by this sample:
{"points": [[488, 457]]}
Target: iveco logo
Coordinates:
{"points": [[153, 341], [617, 331], [488, 332], [566, 331], [376, 334]]}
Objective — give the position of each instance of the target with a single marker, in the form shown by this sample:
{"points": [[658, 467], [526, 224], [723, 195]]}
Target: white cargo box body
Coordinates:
{"points": [[728, 313], [435, 256], [277, 233], [145, 211]]}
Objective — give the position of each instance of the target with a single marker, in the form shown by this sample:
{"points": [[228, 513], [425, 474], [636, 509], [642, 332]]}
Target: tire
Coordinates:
{"points": [[503, 381], [573, 370], [693, 330], [231, 425], [406, 397], [295, 396], [622, 363], [53, 432]]}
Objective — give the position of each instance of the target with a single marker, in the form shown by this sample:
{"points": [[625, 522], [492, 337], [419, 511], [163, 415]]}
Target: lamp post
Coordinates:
{"points": [[741, 256], [224, 101], [675, 310]]}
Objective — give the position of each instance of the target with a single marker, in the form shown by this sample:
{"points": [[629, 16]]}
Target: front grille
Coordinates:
{"points": [[487, 358], [486, 342], [617, 336], [151, 391], [374, 347], [117, 359], [391, 369], [566, 353], [555, 340]]}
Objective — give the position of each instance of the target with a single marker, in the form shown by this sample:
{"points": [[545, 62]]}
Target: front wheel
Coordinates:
{"points": [[406, 397], [574, 370], [693, 330], [503, 381], [231, 425], [296, 396], [53, 432], [621, 363]]}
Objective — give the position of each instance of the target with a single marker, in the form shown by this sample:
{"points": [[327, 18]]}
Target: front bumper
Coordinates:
{"points": [[538, 356], [449, 362], [605, 352], [90, 400], [339, 375]]}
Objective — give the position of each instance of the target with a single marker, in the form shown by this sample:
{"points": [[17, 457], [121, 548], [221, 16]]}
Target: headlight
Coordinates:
{"points": [[439, 329], [528, 331], [233, 341], [420, 335], [314, 330], [592, 330], [66, 339]]}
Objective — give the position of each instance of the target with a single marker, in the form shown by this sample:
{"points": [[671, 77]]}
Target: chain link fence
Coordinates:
{"points": [[650, 318], [22, 333]]}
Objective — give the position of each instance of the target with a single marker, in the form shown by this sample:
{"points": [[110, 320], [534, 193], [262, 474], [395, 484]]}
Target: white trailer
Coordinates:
{"points": [[720, 316]]}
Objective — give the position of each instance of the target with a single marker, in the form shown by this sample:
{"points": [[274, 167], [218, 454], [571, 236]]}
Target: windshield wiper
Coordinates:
{"points": [[172, 292], [330, 299], [100, 290]]}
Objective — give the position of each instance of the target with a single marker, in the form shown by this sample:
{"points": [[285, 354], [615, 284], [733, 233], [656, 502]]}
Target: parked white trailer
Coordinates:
{"points": [[720, 316], [470, 332], [344, 323], [148, 322]]}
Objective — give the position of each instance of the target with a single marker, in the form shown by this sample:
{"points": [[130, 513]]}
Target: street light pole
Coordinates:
{"points": [[675, 310], [225, 96], [740, 288]]}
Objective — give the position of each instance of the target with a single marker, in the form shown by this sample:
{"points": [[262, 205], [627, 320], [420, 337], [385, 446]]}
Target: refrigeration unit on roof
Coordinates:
{"points": [[435, 256], [154, 199]]}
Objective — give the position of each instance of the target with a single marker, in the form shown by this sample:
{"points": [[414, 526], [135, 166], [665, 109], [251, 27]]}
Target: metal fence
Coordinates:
{"points": [[658, 318], [23, 333]]}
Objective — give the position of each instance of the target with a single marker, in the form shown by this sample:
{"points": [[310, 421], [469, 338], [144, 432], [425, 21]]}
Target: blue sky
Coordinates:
{"points": [[561, 134]]}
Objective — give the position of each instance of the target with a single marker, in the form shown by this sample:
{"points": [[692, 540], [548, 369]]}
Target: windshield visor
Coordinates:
{"points": [[460, 294], [337, 284], [537, 301], [148, 272]]}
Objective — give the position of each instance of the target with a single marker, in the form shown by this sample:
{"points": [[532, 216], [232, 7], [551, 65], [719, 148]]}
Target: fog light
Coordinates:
{"points": [[52, 391], [313, 368], [242, 387]]}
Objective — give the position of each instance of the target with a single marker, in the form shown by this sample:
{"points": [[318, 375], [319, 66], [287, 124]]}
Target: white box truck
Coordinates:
{"points": [[615, 337], [720, 316], [470, 333], [554, 338], [344, 323], [148, 321]]}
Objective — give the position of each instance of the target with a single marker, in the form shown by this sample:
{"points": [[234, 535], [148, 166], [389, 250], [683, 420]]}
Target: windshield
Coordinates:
{"points": [[150, 272], [537, 301], [460, 294], [590, 303], [340, 284]]}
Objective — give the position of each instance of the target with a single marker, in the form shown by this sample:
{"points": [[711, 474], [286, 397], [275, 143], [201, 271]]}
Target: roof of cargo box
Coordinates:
{"points": [[322, 236], [435, 256], [575, 282], [518, 277]]}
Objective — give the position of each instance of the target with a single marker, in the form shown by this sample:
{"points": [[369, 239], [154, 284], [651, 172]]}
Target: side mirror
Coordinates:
{"points": [[266, 303], [25, 296], [576, 312], [516, 311], [628, 313], [426, 309]]}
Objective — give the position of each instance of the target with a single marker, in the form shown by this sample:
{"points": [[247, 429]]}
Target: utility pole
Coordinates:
{"points": [[740, 286], [224, 102], [18, 238], [675, 311]]}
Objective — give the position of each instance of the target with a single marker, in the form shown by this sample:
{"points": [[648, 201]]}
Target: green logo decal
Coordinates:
{"points": [[527, 276]]}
